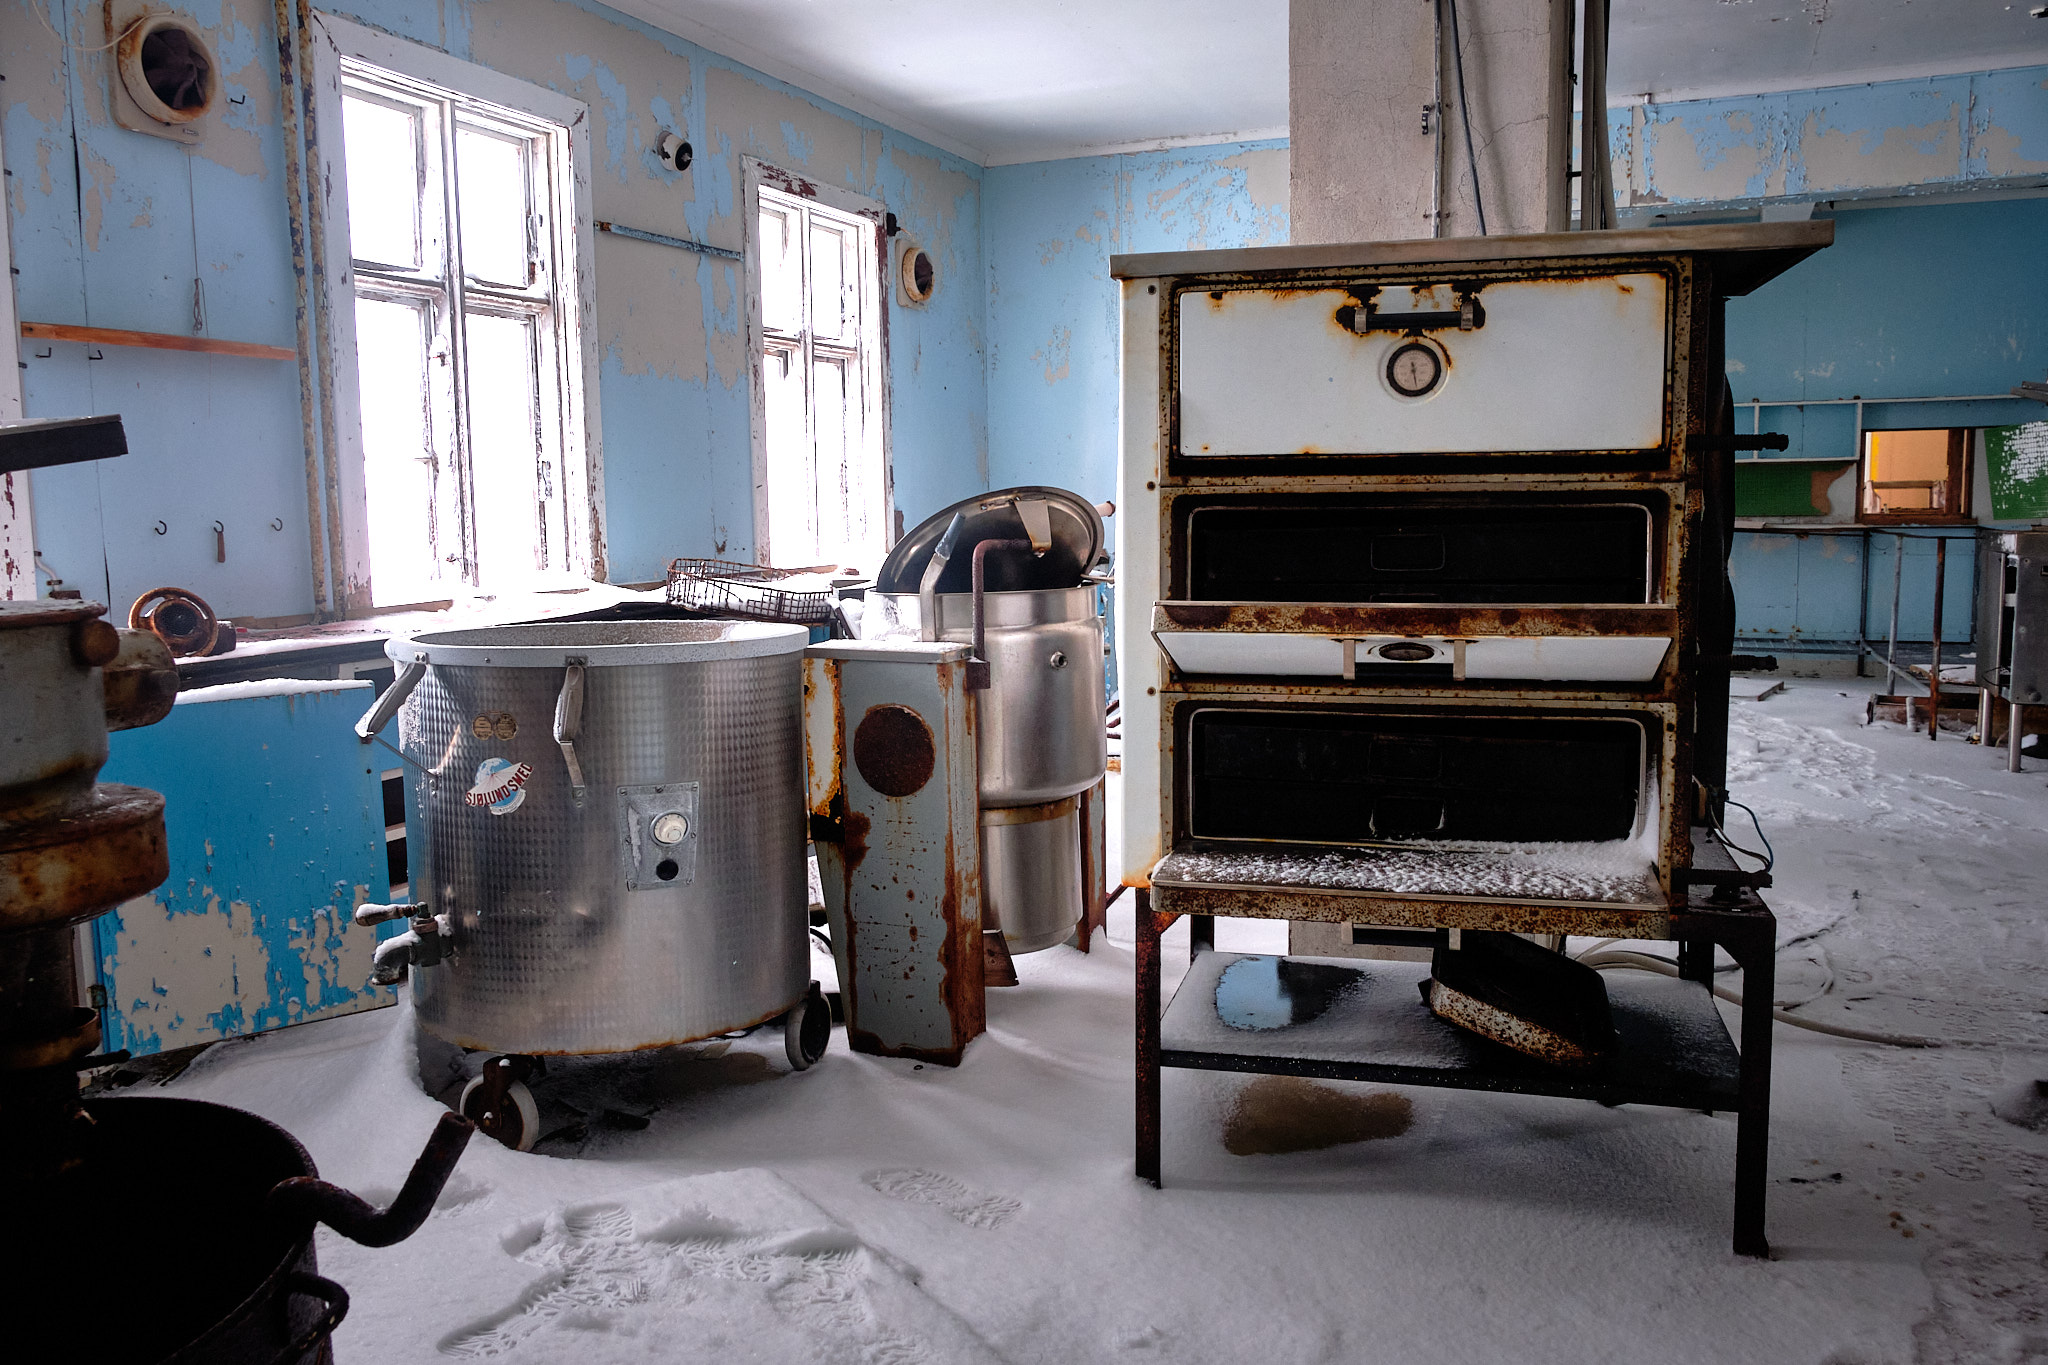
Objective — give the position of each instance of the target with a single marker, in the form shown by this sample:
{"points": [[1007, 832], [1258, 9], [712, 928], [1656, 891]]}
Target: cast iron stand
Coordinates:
{"points": [[1658, 1070]]}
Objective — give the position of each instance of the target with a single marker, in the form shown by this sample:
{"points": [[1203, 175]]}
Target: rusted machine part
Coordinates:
{"points": [[998, 968], [56, 731], [74, 1039], [140, 681], [977, 662], [181, 619], [304, 1200], [106, 849]]}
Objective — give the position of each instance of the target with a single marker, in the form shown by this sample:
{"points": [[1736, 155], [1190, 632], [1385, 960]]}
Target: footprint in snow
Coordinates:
{"points": [[958, 1201], [600, 1269]]}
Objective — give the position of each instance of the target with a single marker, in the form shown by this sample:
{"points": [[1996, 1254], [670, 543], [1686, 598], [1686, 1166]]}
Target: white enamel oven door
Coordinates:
{"points": [[1568, 659], [1549, 365]]}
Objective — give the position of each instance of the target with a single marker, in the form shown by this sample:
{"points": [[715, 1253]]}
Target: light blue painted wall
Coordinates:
{"points": [[1052, 308], [274, 817], [1920, 301], [1934, 134], [118, 242]]}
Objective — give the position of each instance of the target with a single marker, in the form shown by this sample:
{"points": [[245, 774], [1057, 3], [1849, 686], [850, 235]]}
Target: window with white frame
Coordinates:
{"points": [[824, 494], [467, 352]]}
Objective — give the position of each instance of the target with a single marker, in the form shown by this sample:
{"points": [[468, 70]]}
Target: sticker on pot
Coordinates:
{"points": [[500, 785], [494, 725]]}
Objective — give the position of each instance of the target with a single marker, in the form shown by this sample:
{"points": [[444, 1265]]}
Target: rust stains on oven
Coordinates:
{"points": [[1450, 621]]}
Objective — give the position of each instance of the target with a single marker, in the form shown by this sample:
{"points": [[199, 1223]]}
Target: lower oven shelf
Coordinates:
{"points": [[1562, 888], [1340, 1019]]}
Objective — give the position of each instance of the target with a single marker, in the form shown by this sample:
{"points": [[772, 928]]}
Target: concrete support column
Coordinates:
{"points": [[1368, 152]]}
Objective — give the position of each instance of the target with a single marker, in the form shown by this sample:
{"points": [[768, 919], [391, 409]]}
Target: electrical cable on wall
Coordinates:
{"points": [[1465, 117]]}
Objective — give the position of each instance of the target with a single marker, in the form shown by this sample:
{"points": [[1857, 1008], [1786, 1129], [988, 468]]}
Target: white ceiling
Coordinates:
{"points": [[1002, 81]]}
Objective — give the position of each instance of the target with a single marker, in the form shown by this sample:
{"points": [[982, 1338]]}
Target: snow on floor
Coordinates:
{"points": [[878, 1211]]}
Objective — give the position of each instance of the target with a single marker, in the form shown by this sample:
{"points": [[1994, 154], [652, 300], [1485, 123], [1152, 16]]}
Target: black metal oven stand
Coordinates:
{"points": [[1660, 1057]]}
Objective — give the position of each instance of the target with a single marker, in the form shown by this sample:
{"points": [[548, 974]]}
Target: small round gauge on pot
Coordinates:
{"points": [[671, 827], [1414, 369]]}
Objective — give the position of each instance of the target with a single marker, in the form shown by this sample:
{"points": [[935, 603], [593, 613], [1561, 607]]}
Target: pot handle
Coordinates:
{"points": [[569, 724], [379, 715], [304, 1200], [329, 1293], [927, 589]]}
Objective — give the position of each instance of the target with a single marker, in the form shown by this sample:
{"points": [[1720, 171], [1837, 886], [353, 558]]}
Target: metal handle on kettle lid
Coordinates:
{"points": [[569, 724], [379, 715], [928, 587]]}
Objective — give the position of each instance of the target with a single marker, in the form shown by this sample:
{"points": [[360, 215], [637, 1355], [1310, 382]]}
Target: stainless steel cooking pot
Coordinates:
{"points": [[1040, 741], [609, 838]]}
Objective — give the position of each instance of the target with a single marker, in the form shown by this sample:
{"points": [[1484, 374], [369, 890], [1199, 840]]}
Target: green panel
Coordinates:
{"points": [[2018, 464], [1783, 488]]}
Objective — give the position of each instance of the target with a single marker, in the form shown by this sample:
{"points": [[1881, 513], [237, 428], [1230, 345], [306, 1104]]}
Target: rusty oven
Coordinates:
{"points": [[1423, 555]]}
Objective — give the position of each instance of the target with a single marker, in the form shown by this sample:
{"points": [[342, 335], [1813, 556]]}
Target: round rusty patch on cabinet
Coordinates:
{"points": [[892, 748]]}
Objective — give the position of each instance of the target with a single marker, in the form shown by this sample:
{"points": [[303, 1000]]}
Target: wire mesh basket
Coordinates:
{"points": [[727, 588]]}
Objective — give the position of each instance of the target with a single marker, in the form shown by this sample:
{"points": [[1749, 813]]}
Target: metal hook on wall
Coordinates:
{"points": [[220, 543], [95, 355], [162, 529], [45, 353], [277, 523]]}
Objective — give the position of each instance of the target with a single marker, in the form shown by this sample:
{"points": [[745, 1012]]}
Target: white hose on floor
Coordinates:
{"points": [[1649, 962]]}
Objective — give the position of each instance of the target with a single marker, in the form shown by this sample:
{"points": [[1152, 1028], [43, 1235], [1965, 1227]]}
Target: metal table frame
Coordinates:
{"points": [[1725, 915]]}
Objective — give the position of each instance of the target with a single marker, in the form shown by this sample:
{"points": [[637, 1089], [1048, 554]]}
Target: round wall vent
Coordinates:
{"points": [[168, 68], [917, 275]]}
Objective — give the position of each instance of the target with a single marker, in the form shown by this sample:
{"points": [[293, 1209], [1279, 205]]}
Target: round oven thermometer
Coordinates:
{"points": [[1414, 369]]}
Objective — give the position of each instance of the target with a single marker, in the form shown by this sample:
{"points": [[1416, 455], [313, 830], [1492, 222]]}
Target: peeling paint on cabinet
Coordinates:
{"points": [[275, 820]]}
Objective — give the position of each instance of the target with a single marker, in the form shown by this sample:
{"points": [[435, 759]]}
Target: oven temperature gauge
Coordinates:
{"points": [[1414, 369]]}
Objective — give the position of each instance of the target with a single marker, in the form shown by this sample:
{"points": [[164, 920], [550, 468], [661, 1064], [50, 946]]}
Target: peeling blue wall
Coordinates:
{"points": [[1052, 227], [1926, 301], [1935, 134], [112, 227]]}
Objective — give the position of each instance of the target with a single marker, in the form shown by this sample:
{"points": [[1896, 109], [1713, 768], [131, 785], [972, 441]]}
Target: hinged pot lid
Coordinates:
{"points": [[1067, 522]]}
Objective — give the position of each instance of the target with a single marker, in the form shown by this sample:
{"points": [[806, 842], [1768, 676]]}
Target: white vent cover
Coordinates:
{"points": [[166, 75]]}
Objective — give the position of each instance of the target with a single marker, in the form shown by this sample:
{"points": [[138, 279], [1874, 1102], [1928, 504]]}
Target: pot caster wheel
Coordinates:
{"points": [[514, 1120], [807, 1029]]}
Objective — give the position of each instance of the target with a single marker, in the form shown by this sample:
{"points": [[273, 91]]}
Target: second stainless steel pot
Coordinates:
{"points": [[1038, 728]]}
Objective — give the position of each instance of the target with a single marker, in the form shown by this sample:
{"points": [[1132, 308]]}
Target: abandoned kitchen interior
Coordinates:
{"points": [[1224, 681]]}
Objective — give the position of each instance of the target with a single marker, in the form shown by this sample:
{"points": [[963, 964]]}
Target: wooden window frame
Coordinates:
{"points": [[756, 175], [341, 45]]}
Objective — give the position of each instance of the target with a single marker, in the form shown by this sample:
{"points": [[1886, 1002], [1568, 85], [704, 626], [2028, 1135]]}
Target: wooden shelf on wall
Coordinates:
{"points": [[159, 341]]}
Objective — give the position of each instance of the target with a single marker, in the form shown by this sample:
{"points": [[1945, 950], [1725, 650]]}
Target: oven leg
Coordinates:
{"points": [[1148, 1039], [1756, 953], [1696, 960], [1201, 935]]}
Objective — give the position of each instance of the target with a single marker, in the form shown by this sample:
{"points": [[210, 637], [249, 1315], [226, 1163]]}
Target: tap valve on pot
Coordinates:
{"points": [[368, 914], [424, 944]]}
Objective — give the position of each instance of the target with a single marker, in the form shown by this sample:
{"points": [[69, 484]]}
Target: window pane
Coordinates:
{"points": [[398, 458], [1907, 472], [782, 280], [792, 491], [382, 147], [492, 193], [841, 523], [504, 451], [830, 250]]}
